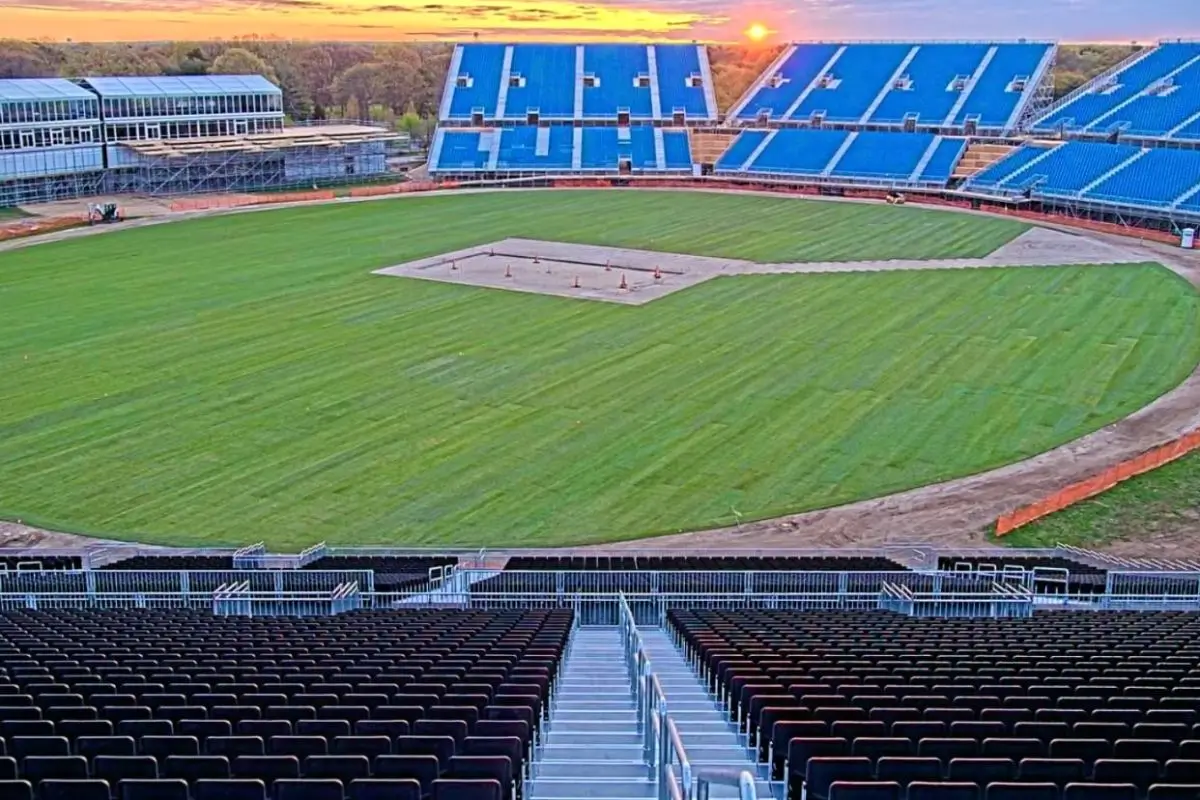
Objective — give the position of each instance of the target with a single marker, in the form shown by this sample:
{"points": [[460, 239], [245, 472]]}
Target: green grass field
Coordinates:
{"points": [[238, 378]]}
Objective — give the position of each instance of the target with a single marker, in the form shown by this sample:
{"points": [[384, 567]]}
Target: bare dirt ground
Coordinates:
{"points": [[955, 513]]}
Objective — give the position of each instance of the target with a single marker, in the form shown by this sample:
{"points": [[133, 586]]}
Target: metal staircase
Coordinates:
{"points": [[593, 747], [712, 742]]}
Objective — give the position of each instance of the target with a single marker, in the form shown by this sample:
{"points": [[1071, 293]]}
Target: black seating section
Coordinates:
{"points": [[164, 704], [862, 705], [392, 573], [685, 574], [35, 561], [166, 562], [1083, 578]]}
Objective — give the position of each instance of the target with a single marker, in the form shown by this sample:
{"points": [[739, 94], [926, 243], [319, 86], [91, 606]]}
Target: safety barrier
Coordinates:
{"points": [[237, 600], [1004, 601], [179, 582], [1097, 484], [662, 747], [719, 583], [217, 202]]}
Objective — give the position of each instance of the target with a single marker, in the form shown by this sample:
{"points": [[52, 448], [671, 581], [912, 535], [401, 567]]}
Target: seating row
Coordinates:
{"points": [[1107, 698], [874, 156], [561, 149], [252, 789]]}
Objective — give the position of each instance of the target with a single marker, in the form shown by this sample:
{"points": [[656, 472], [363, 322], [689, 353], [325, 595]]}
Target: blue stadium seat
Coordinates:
{"points": [[1158, 178], [740, 150], [546, 77], [615, 70], [945, 158], [683, 81], [799, 152], [996, 97], [476, 83], [931, 90], [883, 156], [460, 151], [783, 84]]}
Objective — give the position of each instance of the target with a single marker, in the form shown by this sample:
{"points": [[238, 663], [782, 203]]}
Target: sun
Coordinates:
{"points": [[757, 32]]}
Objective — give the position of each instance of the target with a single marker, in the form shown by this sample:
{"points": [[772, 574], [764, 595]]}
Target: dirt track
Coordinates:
{"points": [[950, 514]]}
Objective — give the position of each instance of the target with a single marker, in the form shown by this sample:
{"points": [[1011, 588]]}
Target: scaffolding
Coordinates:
{"points": [[295, 157]]}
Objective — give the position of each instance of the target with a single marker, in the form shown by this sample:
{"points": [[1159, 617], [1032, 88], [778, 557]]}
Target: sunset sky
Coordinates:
{"points": [[710, 20]]}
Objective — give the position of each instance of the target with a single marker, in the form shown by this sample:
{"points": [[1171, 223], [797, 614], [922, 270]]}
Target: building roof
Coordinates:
{"points": [[42, 89], [328, 136], [181, 85]]}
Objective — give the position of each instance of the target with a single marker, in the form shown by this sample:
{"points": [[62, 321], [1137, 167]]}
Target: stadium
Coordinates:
{"points": [[634, 448]]}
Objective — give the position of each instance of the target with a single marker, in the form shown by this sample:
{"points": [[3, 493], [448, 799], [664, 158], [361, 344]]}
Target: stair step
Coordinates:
{"points": [[579, 789], [594, 705], [595, 724], [592, 751], [627, 714], [603, 769], [577, 738]]}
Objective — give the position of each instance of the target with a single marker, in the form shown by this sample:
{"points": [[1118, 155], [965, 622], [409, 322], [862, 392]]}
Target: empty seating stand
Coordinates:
{"points": [[172, 562], [155, 705], [1063, 705], [915, 85]]}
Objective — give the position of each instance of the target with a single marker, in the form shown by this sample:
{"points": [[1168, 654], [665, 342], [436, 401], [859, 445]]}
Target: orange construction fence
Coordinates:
{"points": [[240, 200], [37, 225], [1097, 484]]}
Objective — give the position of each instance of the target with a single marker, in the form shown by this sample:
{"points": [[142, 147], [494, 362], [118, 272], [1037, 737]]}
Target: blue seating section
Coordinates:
{"points": [[616, 68], [678, 150], [549, 74], [1006, 168], [677, 64], [931, 93], [480, 67], [548, 78], [460, 151], [1121, 99], [742, 148], [798, 69], [859, 76], [1073, 166], [883, 156], [995, 99], [799, 152], [860, 85], [945, 158], [1158, 178], [869, 155], [519, 148], [602, 149]]}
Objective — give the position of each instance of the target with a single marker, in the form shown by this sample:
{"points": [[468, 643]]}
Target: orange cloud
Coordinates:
{"points": [[133, 20]]}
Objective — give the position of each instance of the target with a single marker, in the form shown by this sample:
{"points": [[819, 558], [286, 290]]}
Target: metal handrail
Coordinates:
{"points": [[662, 744]]}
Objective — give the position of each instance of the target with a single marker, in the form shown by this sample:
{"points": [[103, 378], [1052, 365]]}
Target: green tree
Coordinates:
{"points": [[239, 61]]}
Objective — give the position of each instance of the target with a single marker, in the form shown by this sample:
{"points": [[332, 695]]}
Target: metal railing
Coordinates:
{"points": [[662, 747], [182, 582], [1145, 583], [237, 600], [741, 779], [1003, 602]]}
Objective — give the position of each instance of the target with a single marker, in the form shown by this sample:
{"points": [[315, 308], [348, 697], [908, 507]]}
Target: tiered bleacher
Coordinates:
{"points": [[919, 85], [1154, 94], [530, 109], [868, 706], [844, 156], [182, 705], [392, 573], [1117, 175]]}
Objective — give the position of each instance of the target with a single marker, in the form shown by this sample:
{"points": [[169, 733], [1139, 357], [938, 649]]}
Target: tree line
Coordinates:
{"points": [[395, 83]]}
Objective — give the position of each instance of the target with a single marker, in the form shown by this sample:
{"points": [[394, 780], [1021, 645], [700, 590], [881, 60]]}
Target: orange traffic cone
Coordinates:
{"points": [[508, 270], [575, 285], [623, 285], [657, 274]]}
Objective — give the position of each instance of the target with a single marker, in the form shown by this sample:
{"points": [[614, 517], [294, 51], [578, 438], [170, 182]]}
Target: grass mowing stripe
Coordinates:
{"points": [[246, 377]]}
